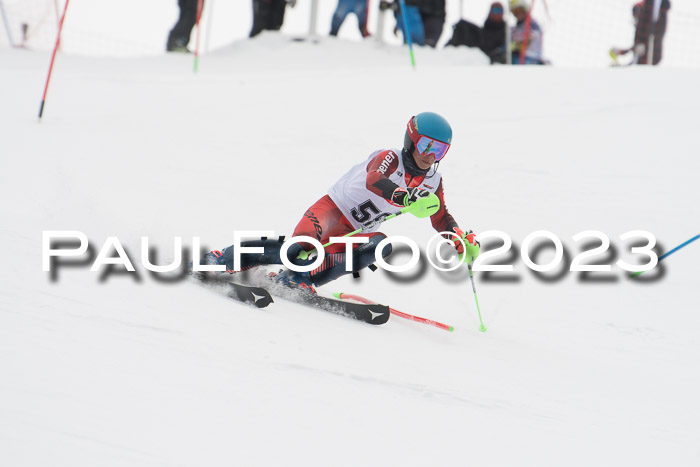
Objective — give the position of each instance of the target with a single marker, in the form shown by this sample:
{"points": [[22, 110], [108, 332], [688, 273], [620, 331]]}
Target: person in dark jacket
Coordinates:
{"points": [[491, 39], [179, 36], [433, 14], [268, 15], [493, 34], [646, 28], [643, 14]]}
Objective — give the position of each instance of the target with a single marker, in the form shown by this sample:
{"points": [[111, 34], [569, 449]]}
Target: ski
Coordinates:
{"points": [[261, 297], [369, 313], [256, 296]]}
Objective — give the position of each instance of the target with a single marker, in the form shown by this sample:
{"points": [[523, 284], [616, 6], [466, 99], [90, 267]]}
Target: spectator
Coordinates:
{"points": [[493, 34], [179, 36], [413, 17], [647, 28], [432, 14], [268, 15], [526, 34], [465, 33], [345, 7], [491, 39], [616, 52]]}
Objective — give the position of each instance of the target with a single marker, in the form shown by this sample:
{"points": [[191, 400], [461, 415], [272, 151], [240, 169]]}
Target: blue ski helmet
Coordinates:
{"points": [[427, 124]]}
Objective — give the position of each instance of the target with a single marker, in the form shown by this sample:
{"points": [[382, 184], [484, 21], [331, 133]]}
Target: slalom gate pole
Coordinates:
{"points": [[417, 319], [7, 24], [379, 32], [424, 207], [528, 24], [656, 8], [200, 5], [365, 30], [207, 38], [407, 32], [313, 19], [53, 58], [669, 253], [509, 45], [482, 328]]}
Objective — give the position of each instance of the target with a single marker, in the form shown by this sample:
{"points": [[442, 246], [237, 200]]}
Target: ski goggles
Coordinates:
{"points": [[427, 146]]}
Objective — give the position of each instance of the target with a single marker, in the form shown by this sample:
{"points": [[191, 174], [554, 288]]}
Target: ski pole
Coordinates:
{"points": [[417, 319], [423, 207], [53, 57], [528, 24], [7, 24], [638, 273], [482, 328], [407, 32], [210, 14], [365, 31], [200, 5]]}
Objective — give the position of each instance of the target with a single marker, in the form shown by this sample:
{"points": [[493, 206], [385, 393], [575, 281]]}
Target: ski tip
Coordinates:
{"points": [[338, 295]]}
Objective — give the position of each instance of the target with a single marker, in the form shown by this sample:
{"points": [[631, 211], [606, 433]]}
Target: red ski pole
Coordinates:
{"points": [[53, 58], [417, 319], [528, 25], [200, 5], [365, 32]]}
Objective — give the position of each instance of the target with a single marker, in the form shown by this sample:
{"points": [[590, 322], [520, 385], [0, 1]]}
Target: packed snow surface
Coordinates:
{"points": [[125, 369]]}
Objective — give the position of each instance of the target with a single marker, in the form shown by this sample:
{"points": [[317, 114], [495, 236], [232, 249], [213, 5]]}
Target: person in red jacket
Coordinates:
{"points": [[387, 181]]}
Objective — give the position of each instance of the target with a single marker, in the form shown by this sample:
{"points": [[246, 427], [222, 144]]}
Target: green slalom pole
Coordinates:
{"points": [[423, 207], [482, 328]]}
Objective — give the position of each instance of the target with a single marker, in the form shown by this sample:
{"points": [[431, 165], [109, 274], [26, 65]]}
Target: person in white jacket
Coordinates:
{"points": [[525, 35]]}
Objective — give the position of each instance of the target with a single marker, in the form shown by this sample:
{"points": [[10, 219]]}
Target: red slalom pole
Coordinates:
{"points": [[53, 58], [401, 314], [528, 25], [200, 5], [365, 32]]}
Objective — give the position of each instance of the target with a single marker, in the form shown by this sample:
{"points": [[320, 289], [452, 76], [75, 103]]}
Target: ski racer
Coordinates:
{"points": [[387, 181]]}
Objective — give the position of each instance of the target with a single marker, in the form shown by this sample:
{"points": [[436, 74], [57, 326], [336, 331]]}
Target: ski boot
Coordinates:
{"points": [[293, 280], [213, 258]]}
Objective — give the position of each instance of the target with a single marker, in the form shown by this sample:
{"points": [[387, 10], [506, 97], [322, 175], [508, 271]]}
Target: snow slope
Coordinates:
{"points": [[127, 371]]}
